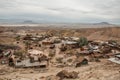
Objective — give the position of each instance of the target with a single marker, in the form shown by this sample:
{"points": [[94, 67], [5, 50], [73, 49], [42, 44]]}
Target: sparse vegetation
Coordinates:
{"points": [[27, 44], [60, 57], [17, 38], [82, 41], [51, 54], [19, 53]]}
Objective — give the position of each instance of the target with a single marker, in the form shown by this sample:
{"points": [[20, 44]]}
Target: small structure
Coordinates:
{"points": [[116, 59], [34, 52], [57, 41], [75, 38], [33, 37], [28, 63], [70, 44], [47, 42], [35, 58], [5, 56]]}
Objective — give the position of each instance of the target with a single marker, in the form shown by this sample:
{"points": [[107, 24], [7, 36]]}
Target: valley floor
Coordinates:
{"points": [[104, 70]]}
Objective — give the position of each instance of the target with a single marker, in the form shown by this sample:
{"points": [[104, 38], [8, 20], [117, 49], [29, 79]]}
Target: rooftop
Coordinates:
{"points": [[117, 56], [69, 42], [35, 52]]}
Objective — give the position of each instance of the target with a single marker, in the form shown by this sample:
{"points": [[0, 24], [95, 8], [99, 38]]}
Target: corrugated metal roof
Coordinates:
{"points": [[114, 60], [117, 56]]}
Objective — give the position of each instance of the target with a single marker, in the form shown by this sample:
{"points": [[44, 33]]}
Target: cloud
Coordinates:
{"points": [[62, 10]]}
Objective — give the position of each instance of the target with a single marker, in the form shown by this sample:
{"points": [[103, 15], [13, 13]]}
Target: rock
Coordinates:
{"points": [[51, 77], [81, 61], [68, 75]]}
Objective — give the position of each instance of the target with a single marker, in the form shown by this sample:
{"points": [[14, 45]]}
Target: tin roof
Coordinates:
{"points": [[117, 56], [35, 52], [114, 60], [69, 42]]}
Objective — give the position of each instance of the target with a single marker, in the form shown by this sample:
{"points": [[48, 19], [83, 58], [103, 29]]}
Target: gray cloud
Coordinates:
{"points": [[62, 10]]}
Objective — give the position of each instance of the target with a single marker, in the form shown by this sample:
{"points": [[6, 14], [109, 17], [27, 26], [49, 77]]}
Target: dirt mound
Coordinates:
{"points": [[65, 74], [52, 77]]}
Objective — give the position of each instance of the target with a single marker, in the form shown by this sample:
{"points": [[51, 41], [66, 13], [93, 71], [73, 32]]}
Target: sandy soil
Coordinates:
{"points": [[104, 70]]}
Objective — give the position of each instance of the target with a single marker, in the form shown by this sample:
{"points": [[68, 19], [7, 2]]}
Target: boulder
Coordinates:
{"points": [[67, 75]]}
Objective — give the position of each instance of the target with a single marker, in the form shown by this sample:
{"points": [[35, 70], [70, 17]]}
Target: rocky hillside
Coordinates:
{"points": [[90, 33]]}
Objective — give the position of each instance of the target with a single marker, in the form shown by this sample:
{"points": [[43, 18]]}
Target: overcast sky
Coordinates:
{"points": [[83, 11]]}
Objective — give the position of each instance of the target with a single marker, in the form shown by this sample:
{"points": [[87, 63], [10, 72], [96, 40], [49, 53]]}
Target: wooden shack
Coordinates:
{"points": [[47, 42], [27, 63], [35, 58], [70, 44]]}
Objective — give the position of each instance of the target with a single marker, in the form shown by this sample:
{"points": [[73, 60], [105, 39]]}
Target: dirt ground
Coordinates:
{"points": [[104, 70]]}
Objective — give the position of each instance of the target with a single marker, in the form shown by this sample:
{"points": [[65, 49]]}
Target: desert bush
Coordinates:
{"points": [[19, 53], [51, 53], [17, 38], [59, 59], [27, 44], [69, 60], [82, 41]]}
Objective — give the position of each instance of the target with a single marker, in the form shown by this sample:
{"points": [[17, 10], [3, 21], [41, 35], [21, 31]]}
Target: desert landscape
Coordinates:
{"points": [[59, 40], [59, 53]]}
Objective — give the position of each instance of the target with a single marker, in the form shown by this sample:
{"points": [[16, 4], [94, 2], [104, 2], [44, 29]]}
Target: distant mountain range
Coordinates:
{"points": [[102, 23], [29, 22], [21, 21]]}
